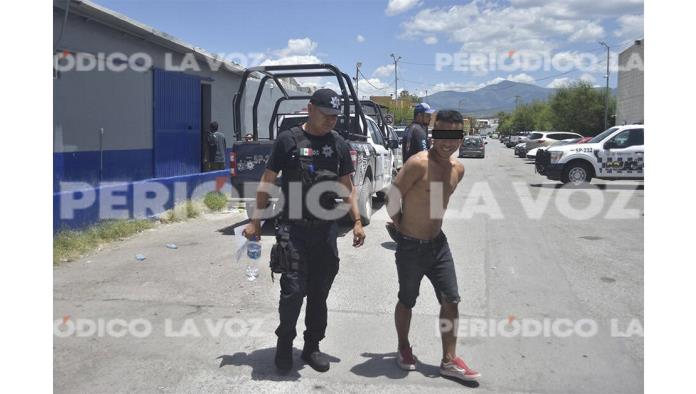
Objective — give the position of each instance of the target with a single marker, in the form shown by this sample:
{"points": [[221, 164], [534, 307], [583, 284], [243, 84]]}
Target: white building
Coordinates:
{"points": [[629, 95]]}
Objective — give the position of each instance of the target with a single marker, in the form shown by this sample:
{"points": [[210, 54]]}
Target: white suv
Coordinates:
{"points": [[546, 138], [616, 153]]}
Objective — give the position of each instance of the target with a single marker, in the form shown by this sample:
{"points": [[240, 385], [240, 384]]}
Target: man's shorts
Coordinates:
{"points": [[416, 258]]}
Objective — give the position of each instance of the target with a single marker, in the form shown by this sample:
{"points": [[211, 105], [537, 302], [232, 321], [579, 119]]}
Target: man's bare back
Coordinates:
{"points": [[424, 177]]}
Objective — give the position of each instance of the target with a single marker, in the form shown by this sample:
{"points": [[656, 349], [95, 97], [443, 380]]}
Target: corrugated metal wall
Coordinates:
{"points": [[177, 123]]}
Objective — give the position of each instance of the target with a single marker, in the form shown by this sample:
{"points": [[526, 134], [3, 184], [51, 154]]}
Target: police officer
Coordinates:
{"points": [[306, 251], [416, 134]]}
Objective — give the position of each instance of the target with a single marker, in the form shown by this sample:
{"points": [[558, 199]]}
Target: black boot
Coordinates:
{"points": [[316, 359], [283, 356]]}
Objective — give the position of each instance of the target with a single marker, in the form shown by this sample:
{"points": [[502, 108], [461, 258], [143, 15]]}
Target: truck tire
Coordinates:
{"points": [[365, 202], [576, 173]]}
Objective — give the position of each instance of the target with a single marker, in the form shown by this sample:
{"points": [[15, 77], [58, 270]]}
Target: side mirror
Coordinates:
{"points": [[486, 142], [609, 145], [393, 144]]}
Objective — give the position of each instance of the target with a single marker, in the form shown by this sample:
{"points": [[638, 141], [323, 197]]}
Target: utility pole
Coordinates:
{"points": [[517, 101], [606, 94], [357, 78], [396, 91]]}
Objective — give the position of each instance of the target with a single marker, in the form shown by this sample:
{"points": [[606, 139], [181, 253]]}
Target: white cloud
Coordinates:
{"points": [[291, 60], [374, 87], [360, 38], [558, 82], [430, 40], [298, 46], [298, 51], [483, 25], [630, 27], [398, 6], [469, 86], [584, 8], [592, 31], [588, 78], [384, 71]]}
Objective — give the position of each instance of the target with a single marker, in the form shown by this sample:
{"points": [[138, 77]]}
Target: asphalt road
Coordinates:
{"points": [[212, 330]]}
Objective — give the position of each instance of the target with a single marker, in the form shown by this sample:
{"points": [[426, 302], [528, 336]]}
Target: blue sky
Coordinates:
{"points": [[423, 32]]}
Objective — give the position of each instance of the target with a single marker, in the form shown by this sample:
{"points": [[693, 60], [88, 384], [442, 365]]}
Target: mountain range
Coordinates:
{"points": [[491, 99]]}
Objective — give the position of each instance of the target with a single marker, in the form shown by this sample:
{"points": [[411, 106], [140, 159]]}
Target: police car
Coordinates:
{"points": [[616, 153]]}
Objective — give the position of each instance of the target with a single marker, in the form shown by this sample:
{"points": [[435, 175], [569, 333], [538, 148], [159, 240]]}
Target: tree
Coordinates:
{"points": [[579, 107]]}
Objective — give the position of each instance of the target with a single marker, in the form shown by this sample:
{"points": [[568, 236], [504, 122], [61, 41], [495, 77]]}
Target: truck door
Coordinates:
{"points": [[383, 170], [622, 156]]}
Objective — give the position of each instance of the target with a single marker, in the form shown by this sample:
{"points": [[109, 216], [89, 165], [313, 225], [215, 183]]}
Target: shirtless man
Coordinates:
{"points": [[422, 248]]}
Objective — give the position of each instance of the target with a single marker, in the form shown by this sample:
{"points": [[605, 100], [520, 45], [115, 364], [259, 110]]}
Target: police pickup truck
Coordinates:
{"points": [[370, 153], [616, 153]]}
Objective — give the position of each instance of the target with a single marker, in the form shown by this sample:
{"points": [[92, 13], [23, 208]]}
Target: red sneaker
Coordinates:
{"points": [[458, 369], [406, 360]]}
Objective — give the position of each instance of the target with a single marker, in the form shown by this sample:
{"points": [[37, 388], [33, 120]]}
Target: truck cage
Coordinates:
{"points": [[276, 73]]}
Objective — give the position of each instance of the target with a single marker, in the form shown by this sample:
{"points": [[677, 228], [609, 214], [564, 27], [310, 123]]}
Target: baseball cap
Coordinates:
{"points": [[423, 107], [328, 101]]}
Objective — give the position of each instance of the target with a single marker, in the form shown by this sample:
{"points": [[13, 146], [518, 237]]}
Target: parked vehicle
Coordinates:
{"points": [[516, 138], [248, 159], [397, 153], [616, 153], [520, 150], [546, 138], [532, 153], [472, 146]]}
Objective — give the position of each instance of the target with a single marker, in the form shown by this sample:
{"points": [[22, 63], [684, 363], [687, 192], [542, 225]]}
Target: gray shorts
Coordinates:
{"points": [[416, 258]]}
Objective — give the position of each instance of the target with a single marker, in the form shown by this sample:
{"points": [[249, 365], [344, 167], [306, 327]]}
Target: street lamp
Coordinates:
{"points": [[357, 78], [396, 65]]}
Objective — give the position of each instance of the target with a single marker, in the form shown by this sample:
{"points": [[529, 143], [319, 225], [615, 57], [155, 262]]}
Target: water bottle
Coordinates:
{"points": [[252, 259]]}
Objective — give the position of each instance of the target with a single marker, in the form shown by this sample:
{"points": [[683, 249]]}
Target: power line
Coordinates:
{"points": [[370, 83]]}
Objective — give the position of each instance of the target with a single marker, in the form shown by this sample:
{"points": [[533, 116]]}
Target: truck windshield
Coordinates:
{"points": [[599, 137]]}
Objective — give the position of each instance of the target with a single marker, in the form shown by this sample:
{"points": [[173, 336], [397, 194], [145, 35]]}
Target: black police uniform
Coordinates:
{"points": [[308, 159]]}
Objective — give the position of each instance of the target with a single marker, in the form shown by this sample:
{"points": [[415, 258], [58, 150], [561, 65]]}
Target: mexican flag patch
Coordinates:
{"points": [[307, 152]]}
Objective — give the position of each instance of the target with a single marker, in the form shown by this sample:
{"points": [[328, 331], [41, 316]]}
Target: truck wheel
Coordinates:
{"points": [[365, 202], [576, 173]]}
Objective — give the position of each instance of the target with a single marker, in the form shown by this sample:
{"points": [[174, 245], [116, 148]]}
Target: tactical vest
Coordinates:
{"points": [[311, 167]]}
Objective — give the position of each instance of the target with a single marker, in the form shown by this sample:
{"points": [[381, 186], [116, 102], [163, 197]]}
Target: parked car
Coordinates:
{"points": [[546, 138], [616, 153], [520, 150], [473, 146], [397, 154], [532, 153], [518, 137]]}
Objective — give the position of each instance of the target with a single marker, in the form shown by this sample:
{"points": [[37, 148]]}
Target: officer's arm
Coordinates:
{"points": [[263, 193], [347, 181], [407, 177], [421, 141]]}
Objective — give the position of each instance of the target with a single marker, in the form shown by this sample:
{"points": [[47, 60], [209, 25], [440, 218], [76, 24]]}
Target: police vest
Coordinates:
{"points": [[310, 167]]}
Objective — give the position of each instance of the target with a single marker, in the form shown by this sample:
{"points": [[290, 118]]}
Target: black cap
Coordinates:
{"points": [[328, 101]]}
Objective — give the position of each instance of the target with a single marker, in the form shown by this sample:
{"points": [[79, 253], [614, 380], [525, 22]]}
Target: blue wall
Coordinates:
{"points": [[118, 165], [90, 215], [125, 167]]}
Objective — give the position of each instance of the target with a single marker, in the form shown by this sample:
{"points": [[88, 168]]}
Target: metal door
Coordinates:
{"points": [[177, 128]]}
